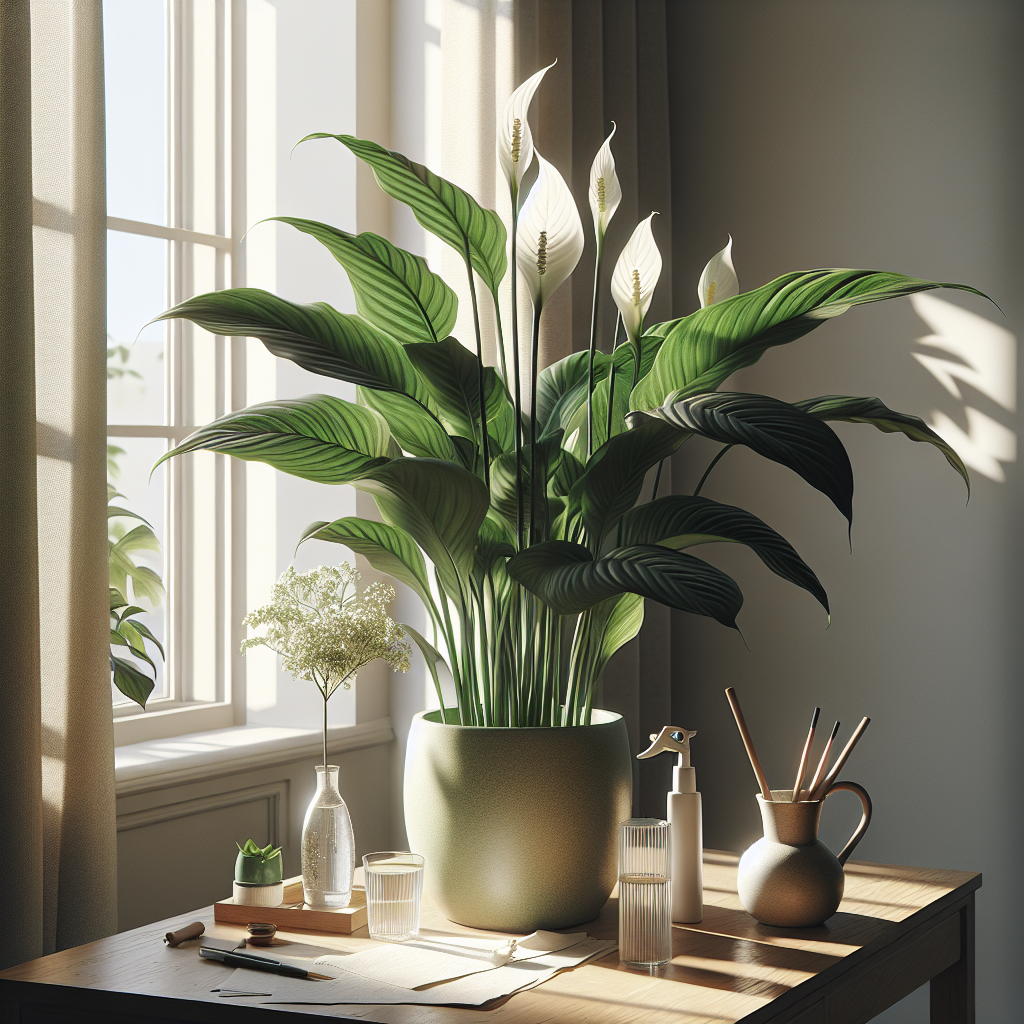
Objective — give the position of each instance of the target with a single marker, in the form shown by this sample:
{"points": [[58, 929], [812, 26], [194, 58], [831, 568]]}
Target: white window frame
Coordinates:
{"points": [[204, 670]]}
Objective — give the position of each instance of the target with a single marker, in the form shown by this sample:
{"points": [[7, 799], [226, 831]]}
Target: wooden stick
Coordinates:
{"points": [[741, 724], [805, 753], [819, 774], [826, 783]]}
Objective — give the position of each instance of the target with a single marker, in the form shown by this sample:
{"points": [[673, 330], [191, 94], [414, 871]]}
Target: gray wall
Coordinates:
{"points": [[886, 135]]}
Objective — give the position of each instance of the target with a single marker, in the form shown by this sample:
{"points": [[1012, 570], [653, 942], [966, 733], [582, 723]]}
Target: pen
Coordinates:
{"points": [[258, 963]]}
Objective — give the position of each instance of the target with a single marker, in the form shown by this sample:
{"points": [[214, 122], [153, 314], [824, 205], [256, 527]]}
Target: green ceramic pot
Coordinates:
{"points": [[518, 827]]}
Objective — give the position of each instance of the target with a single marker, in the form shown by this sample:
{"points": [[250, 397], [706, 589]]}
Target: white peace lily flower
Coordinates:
{"points": [[515, 140], [605, 191], [719, 280], [636, 276], [549, 239]]}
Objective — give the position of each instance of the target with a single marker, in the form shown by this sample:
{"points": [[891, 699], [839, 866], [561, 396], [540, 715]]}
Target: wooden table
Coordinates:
{"points": [[897, 928]]}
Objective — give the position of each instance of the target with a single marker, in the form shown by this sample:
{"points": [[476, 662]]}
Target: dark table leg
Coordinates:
{"points": [[953, 990]]}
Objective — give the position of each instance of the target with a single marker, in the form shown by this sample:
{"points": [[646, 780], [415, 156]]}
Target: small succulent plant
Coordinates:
{"points": [[261, 866]]}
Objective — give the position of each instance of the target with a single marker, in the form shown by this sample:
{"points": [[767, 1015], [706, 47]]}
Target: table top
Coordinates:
{"points": [[727, 968]]}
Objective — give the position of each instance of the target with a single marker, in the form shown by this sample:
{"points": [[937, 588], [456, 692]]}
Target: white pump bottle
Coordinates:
{"points": [[686, 818]]}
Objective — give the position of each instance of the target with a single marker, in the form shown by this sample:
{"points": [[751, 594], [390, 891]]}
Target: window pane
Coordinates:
{"points": [[134, 47], [130, 460], [136, 292]]}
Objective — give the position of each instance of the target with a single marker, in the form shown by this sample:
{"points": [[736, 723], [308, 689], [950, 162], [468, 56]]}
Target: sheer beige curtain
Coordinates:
{"points": [[56, 738], [612, 66]]}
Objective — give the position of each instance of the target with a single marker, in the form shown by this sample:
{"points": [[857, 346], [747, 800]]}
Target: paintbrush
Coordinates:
{"points": [[805, 753], [741, 724]]}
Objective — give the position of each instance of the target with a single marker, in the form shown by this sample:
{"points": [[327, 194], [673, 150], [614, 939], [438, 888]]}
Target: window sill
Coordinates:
{"points": [[156, 764]]}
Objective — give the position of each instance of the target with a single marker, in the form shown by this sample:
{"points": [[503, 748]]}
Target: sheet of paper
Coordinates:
{"points": [[470, 990], [416, 963]]}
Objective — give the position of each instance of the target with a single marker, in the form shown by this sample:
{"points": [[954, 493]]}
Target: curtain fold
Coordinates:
{"points": [[612, 66], [56, 733]]}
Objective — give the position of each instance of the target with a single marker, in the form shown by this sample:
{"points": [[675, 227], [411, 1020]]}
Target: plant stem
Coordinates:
{"points": [[611, 377], [501, 336], [707, 472], [325, 737], [593, 345], [534, 359], [484, 447], [657, 481], [514, 191]]}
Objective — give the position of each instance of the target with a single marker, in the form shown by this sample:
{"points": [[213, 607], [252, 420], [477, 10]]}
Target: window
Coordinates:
{"points": [[170, 201], [205, 102]]}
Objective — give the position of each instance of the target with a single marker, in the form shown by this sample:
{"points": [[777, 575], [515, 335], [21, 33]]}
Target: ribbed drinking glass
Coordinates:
{"points": [[645, 892], [394, 890]]}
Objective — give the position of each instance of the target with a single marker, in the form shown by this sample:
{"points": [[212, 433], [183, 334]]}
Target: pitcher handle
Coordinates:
{"points": [[865, 819]]}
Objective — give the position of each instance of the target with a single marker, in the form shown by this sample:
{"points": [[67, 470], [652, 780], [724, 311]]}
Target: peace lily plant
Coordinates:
{"points": [[527, 513]]}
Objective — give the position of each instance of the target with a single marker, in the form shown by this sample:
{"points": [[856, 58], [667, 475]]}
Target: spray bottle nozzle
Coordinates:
{"points": [[672, 739]]}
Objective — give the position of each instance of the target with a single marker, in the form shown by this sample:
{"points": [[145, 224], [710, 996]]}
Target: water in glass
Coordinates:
{"points": [[394, 889]]}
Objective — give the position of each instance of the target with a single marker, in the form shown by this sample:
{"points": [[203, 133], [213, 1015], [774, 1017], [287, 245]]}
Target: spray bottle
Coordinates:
{"points": [[685, 817]]}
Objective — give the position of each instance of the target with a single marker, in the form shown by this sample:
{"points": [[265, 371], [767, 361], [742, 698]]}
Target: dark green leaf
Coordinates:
{"points": [[385, 548], [440, 505], [113, 511], [316, 337], [395, 290], [613, 478], [567, 578], [701, 350], [680, 521], [775, 430], [318, 437], [874, 411], [442, 208], [134, 684], [504, 484], [450, 373], [415, 429]]}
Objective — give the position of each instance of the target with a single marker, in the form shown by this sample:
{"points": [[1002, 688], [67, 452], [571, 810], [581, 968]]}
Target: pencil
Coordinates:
{"points": [[826, 783], [822, 763], [741, 724], [808, 743]]}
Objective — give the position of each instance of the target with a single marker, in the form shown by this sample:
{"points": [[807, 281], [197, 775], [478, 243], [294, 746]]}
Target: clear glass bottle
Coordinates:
{"points": [[328, 845]]}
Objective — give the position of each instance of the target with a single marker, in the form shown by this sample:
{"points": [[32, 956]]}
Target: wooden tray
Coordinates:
{"points": [[294, 915]]}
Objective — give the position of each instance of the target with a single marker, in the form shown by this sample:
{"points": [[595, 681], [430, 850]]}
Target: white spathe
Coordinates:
{"points": [[636, 276], [515, 140], [549, 240], [719, 280], [605, 191]]}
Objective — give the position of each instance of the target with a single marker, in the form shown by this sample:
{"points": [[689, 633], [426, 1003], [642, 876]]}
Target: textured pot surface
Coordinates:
{"points": [[518, 826], [790, 878]]}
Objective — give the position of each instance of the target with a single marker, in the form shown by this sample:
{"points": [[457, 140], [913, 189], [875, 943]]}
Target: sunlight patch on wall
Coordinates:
{"points": [[987, 355]]}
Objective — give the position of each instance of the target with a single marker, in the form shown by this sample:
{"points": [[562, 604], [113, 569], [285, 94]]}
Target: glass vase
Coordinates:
{"points": [[328, 846]]}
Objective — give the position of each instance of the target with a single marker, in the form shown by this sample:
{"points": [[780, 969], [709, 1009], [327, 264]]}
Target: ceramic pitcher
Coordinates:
{"points": [[790, 878]]}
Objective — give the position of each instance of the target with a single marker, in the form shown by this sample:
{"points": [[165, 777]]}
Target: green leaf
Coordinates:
{"points": [[613, 478], [576, 428], [774, 429], [874, 411], [442, 208], [701, 350], [431, 656], [144, 630], [450, 373], [317, 437], [141, 538], [113, 511], [415, 429], [566, 578], [133, 683], [503, 482], [495, 541], [384, 547], [440, 505], [395, 290], [681, 521], [146, 584], [617, 621], [316, 337]]}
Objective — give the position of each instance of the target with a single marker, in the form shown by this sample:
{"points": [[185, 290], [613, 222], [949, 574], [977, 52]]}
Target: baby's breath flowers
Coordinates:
{"points": [[325, 630]]}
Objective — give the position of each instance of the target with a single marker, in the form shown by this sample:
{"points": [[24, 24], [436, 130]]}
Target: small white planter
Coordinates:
{"points": [[252, 894]]}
